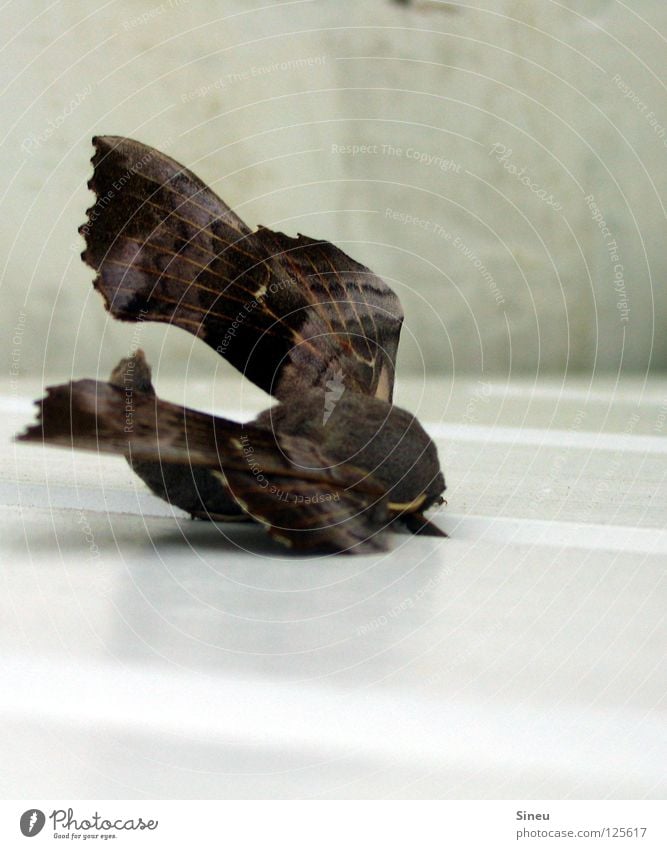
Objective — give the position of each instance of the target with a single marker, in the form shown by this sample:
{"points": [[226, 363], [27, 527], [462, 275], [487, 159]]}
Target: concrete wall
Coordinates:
{"points": [[466, 152]]}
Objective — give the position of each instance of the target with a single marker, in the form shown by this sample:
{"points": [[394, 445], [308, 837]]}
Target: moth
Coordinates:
{"points": [[333, 464]]}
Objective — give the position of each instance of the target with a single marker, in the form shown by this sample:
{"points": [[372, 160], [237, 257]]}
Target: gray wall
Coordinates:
{"points": [[487, 128]]}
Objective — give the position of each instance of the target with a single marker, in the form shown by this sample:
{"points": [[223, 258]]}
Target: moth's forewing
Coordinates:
{"points": [[284, 311]]}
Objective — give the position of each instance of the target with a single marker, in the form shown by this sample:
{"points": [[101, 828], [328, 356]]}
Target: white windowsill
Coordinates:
{"points": [[148, 655]]}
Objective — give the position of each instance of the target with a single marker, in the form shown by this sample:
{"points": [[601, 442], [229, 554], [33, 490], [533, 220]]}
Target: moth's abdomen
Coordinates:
{"points": [[196, 490]]}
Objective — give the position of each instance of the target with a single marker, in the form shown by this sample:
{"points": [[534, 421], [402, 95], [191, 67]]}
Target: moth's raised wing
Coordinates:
{"points": [[283, 311], [281, 481]]}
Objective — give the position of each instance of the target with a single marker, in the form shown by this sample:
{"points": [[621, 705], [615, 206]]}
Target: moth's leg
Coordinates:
{"points": [[417, 523]]}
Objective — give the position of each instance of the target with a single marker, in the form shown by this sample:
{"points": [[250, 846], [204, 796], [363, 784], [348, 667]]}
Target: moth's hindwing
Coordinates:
{"points": [[285, 482]]}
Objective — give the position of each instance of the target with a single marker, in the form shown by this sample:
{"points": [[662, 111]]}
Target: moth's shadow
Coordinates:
{"points": [[91, 534], [230, 537], [238, 538]]}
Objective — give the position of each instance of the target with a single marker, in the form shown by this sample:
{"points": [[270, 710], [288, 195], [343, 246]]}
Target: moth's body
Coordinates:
{"points": [[333, 463], [371, 435]]}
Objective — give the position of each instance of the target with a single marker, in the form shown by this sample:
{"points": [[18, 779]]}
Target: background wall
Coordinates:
{"points": [[467, 152]]}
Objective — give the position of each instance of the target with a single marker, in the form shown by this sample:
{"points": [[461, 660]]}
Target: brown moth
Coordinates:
{"points": [[334, 463]]}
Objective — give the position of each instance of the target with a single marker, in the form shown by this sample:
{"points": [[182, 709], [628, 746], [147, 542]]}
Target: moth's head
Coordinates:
{"points": [[415, 461]]}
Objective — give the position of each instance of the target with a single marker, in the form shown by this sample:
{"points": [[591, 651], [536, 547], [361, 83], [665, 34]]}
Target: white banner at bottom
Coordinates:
{"points": [[334, 824]]}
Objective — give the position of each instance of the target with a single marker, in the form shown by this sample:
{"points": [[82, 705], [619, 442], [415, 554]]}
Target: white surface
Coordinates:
{"points": [[148, 655]]}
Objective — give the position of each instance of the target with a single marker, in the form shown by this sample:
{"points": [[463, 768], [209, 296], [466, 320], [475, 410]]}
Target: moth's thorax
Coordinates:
{"points": [[363, 373]]}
